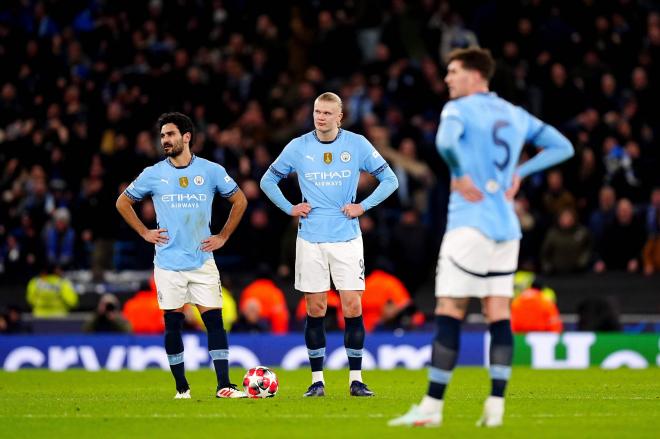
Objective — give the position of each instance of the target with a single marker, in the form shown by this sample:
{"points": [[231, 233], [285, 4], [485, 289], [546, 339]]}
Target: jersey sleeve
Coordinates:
{"points": [[450, 130], [141, 187], [535, 126], [284, 164], [224, 184], [371, 160]]}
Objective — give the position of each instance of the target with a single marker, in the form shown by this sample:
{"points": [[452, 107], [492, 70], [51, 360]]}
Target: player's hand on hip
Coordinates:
{"points": [[156, 236], [301, 209], [213, 243], [513, 189], [352, 210], [464, 186]]}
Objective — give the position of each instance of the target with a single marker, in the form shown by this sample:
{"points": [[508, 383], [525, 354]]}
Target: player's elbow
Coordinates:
{"points": [[393, 181], [121, 202]]}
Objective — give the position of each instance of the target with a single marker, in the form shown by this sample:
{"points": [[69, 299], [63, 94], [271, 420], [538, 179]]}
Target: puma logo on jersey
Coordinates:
{"points": [[309, 157], [164, 181]]}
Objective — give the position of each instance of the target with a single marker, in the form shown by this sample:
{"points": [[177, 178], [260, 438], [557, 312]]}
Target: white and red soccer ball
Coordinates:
{"points": [[260, 382]]}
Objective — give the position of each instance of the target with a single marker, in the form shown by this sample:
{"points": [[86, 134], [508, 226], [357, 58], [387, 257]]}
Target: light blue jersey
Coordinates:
{"points": [[328, 174], [482, 135], [183, 198]]}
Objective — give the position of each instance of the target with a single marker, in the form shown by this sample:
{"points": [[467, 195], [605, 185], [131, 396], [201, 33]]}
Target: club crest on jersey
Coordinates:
{"points": [[345, 156], [183, 181], [198, 180], [327, 157]]}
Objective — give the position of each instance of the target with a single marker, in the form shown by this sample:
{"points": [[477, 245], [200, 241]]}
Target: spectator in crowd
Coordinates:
{"points": [[60, 239], [143, 313], [567, 245], [383, 292], [621, 250], [250, 320], [107, 317], [604, 216], [50, 294], [533, 311], [651, 251], [272, 301], [11, 321], [557, 197]]}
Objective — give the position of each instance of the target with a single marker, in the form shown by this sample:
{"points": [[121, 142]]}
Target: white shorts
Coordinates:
{"points": [[317, 261], [473, 265], [200, 286]]}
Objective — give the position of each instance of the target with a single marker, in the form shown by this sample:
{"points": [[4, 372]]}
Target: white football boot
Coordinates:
{"points": [[493, 412], [230, 392], [416, 418], [182, 395]]}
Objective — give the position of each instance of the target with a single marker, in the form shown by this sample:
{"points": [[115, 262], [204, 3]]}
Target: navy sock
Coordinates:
{"points": [[315, 341], [174, 348], [218, 346], [354, 341], [444, 354], [501, 356]]}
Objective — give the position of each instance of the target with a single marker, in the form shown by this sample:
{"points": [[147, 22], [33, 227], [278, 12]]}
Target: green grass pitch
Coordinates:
{"points": [[78, 404]]}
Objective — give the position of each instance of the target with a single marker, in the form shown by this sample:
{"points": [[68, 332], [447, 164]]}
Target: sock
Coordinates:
{"points": [[444, 355], [501, 356], [218, 346], [174, 348], [354, 343], [315, 341], [354, 375]]}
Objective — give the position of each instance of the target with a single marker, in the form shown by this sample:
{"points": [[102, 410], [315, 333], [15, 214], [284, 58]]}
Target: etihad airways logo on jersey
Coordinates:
{"points": [[183, 201], [328, 178]]}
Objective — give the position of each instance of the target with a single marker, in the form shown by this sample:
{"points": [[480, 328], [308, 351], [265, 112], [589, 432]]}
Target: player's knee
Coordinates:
{"points": [[496, 314], [173, 321], [316, 309], [352, 309]]}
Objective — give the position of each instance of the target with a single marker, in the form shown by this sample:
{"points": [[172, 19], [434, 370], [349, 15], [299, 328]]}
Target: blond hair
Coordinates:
{"points": [[331, 97]]}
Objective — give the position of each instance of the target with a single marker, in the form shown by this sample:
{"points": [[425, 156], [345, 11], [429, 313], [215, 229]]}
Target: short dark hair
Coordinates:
{"points": [[182, 122], [475, 58]]}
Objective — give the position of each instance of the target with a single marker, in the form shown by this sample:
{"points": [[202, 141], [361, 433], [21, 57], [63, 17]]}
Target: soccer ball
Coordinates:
{"points": [[260, 382]]}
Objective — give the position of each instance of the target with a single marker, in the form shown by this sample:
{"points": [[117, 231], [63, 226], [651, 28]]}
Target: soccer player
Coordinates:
{"points": [[480, 138], [328, 162], [182, 188]]}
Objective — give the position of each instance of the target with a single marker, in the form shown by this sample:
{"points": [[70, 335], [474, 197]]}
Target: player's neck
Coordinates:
{"points": [[327, 136], [182, 159]]}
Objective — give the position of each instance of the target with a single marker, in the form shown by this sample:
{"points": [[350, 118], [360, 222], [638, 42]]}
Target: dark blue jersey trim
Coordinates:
{"points": [[481, 275], [230, 193], [180, 167], [537, 134], [277, 173], [379, 170], [132, 197]]}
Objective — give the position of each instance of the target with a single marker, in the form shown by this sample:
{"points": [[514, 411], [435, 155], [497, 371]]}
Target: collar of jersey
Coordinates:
{"points": [[327, 142], [181, 167]]}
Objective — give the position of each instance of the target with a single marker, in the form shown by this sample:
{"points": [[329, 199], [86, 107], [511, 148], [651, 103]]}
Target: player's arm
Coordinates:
{"points": [[125, 207], [447, 141], [269, 185], [238, 205], [387, 184]]}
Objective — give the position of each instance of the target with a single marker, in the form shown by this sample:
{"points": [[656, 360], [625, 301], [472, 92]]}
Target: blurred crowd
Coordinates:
{"points": [[82, 86]]}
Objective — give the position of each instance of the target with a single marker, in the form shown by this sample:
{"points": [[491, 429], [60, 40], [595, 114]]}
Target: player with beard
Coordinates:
{"points": [[182, 187]]}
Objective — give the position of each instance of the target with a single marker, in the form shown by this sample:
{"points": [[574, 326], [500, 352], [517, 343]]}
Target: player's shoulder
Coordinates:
{"points": [[156, 168], [208, 164]]}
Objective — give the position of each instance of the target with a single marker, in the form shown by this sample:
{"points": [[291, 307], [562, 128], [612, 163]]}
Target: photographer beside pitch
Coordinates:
{"points": [[182, 188], [480, 138], [328, 162]]}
